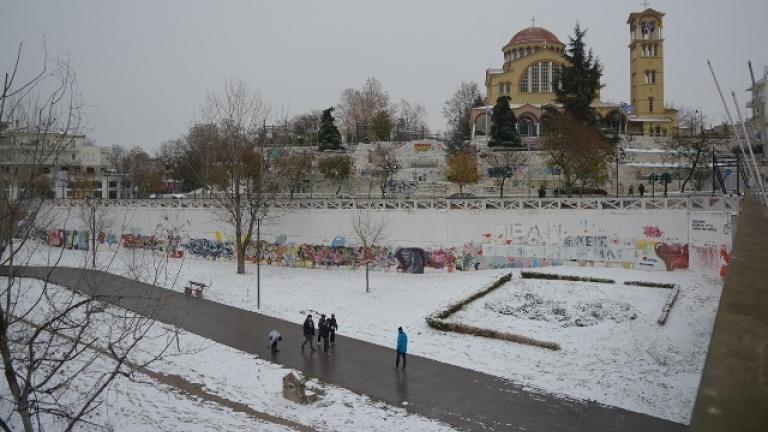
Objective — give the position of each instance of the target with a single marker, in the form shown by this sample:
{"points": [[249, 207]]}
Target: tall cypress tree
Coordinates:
{"points": [[503, 122], [328, 137], [579, 79]]}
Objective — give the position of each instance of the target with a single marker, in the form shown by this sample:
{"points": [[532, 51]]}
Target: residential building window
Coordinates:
{"points": [[650, 104]]}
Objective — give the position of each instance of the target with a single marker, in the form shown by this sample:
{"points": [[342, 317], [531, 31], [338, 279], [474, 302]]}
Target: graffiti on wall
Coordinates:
{"points": [[512, 245]]}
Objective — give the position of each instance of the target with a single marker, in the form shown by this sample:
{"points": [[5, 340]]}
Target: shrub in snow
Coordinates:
{"points": [[550, 276], [437, 320], [650, 284]]}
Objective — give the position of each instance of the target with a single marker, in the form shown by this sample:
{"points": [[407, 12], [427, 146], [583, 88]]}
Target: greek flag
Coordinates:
{"points": [[626, 108]]}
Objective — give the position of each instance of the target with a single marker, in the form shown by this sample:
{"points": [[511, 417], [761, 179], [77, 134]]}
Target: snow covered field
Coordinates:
{"points": [[148, 405], [634, 364]]}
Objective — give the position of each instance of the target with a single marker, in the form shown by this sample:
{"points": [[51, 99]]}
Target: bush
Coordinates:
{"points": [[650, 284], [550, 276], [436, 320]]}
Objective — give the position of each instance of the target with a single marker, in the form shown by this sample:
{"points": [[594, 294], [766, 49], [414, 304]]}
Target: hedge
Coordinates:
{"points": [[650, 284], [437, 320], [550, 276]]}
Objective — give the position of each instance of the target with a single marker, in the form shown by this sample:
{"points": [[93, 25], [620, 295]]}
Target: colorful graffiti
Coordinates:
{"points": [[513, 245], [652, 231]]}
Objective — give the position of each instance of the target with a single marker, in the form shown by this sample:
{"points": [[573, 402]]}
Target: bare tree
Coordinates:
{"points": [[97, 219], [370, 232], [690, 146], [294, 168], [503, 165], [579, 150], [457, 109], [242, 171], [384, 163], [411, 120], [358, 107], [51, 339]]}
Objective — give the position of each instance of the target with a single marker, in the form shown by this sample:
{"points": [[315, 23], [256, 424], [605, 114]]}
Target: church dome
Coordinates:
{"points": [[534, 34]]}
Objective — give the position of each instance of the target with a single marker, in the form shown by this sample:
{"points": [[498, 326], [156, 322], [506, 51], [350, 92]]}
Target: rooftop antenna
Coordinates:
{"points": [[533, 22], [751, 72], [645, 4]]}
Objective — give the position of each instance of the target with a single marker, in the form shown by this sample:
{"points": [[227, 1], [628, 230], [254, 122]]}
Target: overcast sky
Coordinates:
{"points": [[145, 66]]}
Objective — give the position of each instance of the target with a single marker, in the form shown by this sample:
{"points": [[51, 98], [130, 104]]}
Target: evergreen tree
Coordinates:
{"points": [[503, 131], [328, 137], [579, 79]]}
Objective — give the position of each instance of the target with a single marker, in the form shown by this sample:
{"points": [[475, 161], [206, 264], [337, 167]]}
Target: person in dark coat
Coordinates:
{"points": [[332, 327], [402, 347], [641, 190], [320, 324], [309, 333], [324, 332]]}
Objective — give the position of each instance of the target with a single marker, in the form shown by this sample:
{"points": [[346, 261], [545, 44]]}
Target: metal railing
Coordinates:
{"points": [[693, 203]]}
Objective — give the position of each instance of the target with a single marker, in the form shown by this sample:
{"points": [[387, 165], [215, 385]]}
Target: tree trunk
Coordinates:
{"points": [[93, 237], [367, 269], [258, 263], [501, 192], [240, 256], [338, 189], [694, 165]]}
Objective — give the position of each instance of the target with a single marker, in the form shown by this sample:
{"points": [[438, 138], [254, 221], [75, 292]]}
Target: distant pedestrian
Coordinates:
{"points": [[402, 347], [631, 190], [332, 327], [542, 192], [641, 190], [309, 333], [320, 324], [324, 333], [274, 338]]}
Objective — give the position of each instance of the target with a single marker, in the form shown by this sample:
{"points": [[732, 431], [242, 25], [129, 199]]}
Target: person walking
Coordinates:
{"points": [[309, 333], [641, 190], [631, 190], [323, 332], [274, 338], [402, 347], [320, 324], [332, 327]]}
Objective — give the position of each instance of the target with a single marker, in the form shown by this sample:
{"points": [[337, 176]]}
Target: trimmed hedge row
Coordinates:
{"points": [[550, 276], [650, 284], [493, 334], [452, 309], [437, 320]]}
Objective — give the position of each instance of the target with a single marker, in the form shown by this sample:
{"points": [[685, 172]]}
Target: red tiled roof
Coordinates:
{"points": [[534, 34]]}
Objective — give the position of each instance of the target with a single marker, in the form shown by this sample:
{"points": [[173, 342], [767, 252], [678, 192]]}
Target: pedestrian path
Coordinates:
{"points": [[465, 399]]}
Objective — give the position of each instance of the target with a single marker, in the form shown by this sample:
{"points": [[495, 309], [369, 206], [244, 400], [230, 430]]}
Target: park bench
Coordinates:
{"points": [[195, 289]]}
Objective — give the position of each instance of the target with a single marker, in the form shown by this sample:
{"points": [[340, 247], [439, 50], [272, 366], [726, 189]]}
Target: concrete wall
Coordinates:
{"points": [[471, 239]]}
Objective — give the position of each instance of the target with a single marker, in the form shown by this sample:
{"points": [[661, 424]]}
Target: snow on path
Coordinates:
{"points": [[637, 365], [234, 375]]}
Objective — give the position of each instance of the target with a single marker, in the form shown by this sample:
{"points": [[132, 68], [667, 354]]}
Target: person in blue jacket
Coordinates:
{"points": [[402, 347]]}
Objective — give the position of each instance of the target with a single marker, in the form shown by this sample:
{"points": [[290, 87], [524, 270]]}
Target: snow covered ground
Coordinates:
{"points": [[148, 405], [634, 364]]}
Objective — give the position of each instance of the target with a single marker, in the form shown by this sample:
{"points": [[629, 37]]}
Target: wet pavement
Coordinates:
{"points": [[463, 398], [733, 395]]}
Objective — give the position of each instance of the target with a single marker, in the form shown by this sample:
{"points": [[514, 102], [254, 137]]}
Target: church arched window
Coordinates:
{"points": [[541, 77], [526, 126]]}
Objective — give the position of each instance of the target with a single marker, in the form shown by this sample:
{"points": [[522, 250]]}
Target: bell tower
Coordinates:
{"points": [[646, 71]]}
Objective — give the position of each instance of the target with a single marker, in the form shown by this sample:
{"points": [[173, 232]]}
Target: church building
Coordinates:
{"points": [[530, 74]]}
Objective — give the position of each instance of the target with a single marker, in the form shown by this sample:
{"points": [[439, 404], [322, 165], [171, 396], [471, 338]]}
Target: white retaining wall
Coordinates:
{"points": [[645, 239]]}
